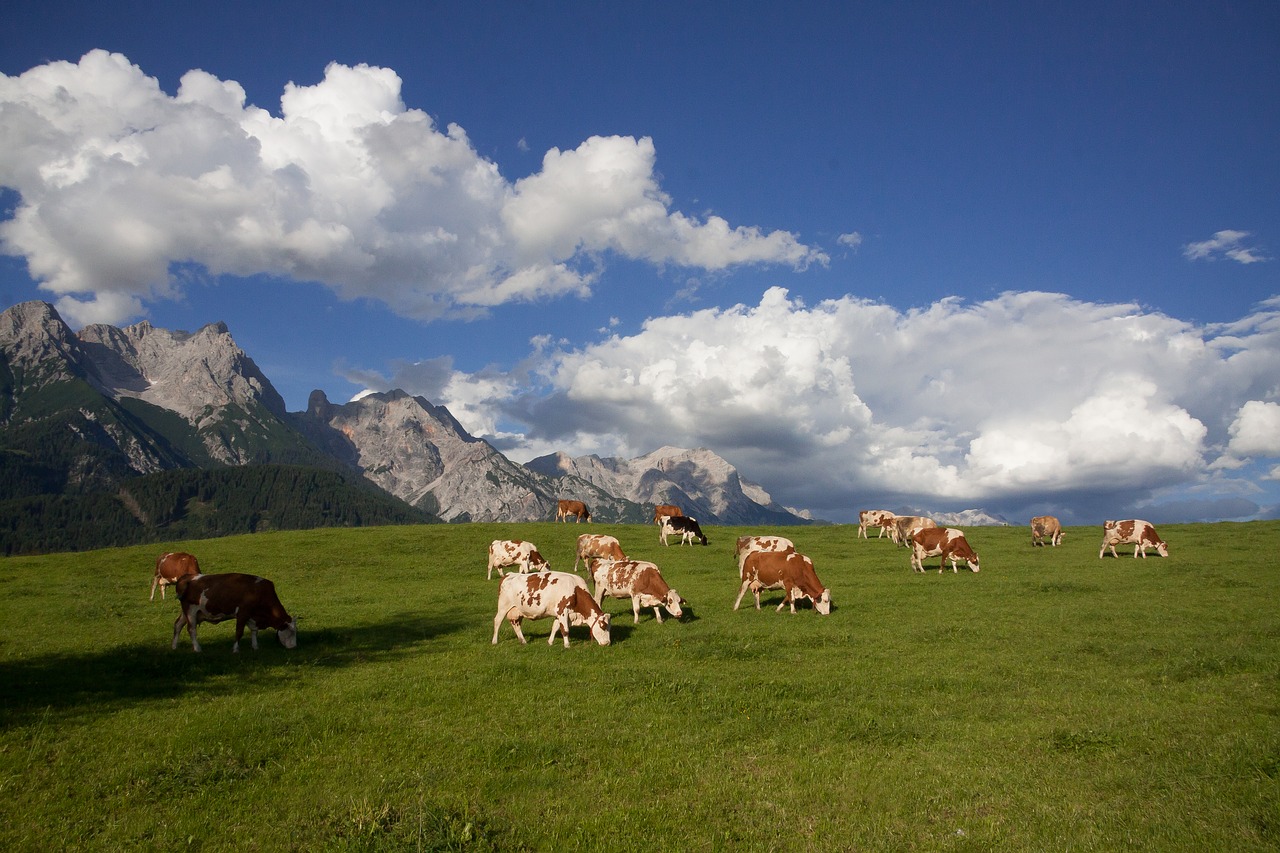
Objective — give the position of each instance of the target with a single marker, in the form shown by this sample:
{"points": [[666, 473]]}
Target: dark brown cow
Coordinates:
{"points": [[577, 509], [1046, 527], [945, 542], [597, 546], [171, 568], [668, 510], [248, 599], [786, 570], [639, 581], [561, 595], [1136, 532]]}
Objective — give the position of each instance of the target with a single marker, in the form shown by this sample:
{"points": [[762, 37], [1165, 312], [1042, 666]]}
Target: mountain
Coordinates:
{"points": [[964, 518], [85, 413], [701, 483], [422, 455]]}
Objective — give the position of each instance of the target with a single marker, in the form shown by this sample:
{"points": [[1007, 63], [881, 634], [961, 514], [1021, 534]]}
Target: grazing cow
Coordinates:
{"points": [[560, 595], [1046, 527], [905, 526], [665, 509], [873, 518], [577, 509], [785, 570], [683, 526], [749, 544], [1140, 534], [514, 552], [171, 568], [945, 542], [248, 599], [639, 581], [597, 546]]}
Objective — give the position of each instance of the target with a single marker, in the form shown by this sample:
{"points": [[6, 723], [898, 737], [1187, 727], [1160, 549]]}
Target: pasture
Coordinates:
{"points": [[1053, 701]]}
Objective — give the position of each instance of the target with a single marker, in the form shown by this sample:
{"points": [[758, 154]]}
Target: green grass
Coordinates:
{"points": [[1053, 701]]}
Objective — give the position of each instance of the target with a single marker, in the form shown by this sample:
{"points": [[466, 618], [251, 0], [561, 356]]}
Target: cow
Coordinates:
{"points": [[248, 599], [1046, 527], [1140, 534], [749, 544], [904, 528], [596, 546], [577, 509], [786, 570], [683, 526], [945, 542], [873, 518], [665, 509], [514, 552], [561, 595], [639, 581], [172, 567]]}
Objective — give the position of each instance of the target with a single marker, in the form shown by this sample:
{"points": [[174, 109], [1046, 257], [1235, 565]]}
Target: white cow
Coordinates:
{"points": [[1140, 534], [639, 581], [514, 552], [561, 596]]}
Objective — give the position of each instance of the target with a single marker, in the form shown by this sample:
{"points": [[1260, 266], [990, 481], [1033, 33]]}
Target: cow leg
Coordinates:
{"points": [[561, 623], [741, 593], [177, 627], [635, 609], [657, 613], [154, 582]]}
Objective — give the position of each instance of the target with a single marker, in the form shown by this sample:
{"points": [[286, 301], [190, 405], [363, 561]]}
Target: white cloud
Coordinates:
{"points": [[1025, 398], [1256, 430], [120, 181], [852, 240], [1229, 244]]}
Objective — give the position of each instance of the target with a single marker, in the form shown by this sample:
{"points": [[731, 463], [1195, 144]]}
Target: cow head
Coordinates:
{"points": [[599, 625], [673, 603], [288, 634], [822, 603], [1162, 548]]}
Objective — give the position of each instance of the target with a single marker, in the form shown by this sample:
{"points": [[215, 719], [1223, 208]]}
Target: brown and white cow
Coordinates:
{"points": [[1136, 532], [562, 596], [577, 509], [945, 542], [597, 546], [1046, 527], [786, 570], [873, 518], [749, 544], [669, 510], [683, 526], [171, 568], [639, 581], [904, 527], [515, 552], [248, 599]]}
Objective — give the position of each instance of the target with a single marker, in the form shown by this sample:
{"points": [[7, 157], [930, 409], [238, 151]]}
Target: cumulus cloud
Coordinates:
{"points": [[120, 182], [1228, 244], [1024, 399], [1256, 430]]}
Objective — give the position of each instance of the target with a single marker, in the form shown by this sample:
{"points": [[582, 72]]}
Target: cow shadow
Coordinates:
{"points": [[92, 684]]}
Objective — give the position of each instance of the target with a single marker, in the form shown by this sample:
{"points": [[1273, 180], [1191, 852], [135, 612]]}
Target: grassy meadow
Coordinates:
{"points": [[1053, 701]]}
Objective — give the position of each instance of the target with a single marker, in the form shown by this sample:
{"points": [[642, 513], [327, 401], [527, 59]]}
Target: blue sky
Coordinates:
{"points": [[933, 255]]}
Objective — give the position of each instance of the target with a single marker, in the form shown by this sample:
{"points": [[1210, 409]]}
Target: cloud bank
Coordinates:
{"points": [[122, 187], [1226, 244], [1026, 402]]}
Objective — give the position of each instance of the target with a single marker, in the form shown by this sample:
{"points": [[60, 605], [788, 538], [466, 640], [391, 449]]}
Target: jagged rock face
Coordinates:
{"points": [[420, 454], [701, 483], [34, 339], [195, 375]]}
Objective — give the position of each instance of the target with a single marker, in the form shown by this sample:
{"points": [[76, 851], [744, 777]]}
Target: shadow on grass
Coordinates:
{"points": [[118, 677]]}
